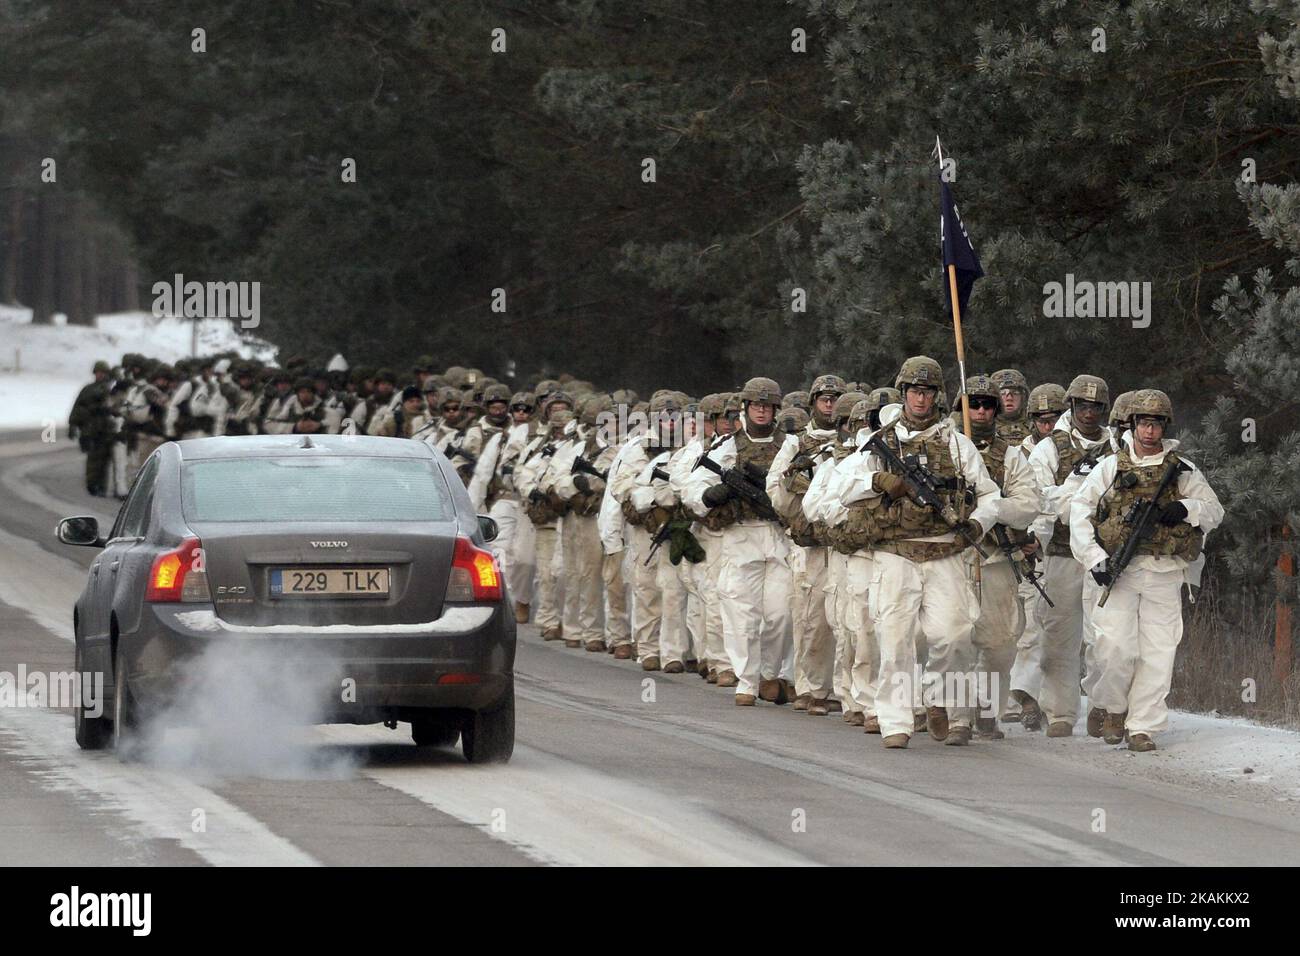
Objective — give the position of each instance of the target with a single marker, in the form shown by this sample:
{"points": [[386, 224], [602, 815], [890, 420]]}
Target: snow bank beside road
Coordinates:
{"points": [[42, 367]]}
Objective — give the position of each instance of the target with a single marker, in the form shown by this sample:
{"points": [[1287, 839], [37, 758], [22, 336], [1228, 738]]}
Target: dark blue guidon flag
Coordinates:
{"points": [[957, 250]]}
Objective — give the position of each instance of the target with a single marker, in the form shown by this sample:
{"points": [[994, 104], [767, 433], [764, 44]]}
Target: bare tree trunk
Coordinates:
{"points": [[130, 281], [70, 292], [13, 247], [90, 292], [46, 256]]}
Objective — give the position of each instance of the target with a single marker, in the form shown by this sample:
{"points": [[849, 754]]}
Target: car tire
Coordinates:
{"points": [[488, 736], [93, 733], [434, 730], [126, 718]]}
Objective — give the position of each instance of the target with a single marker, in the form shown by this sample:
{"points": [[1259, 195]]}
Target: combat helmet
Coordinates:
{"points": [[880, 397], [1088, 388], [827, 383], [919, 370], [791, 419], [981, 386], [1048, 398], [844, 405], [761, 389], [1119, 411], [1009, 378], [1150, 401]]}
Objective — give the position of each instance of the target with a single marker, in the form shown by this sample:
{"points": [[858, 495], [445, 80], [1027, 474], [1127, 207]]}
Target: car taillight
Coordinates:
{"points": [[179, 575], [474, 574]]}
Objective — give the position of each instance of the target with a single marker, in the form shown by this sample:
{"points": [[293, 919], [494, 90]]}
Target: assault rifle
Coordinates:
{"points": [[454, 451], [1007, 548], [734, 479], [584, 467], [923, 487], [1139, 518]]}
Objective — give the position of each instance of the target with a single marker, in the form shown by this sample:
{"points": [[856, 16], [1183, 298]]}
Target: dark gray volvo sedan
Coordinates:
{"points": [[362, 553]]}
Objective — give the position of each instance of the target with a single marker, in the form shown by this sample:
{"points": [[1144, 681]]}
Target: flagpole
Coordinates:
{"points": [[956, 325], [977, 575]]}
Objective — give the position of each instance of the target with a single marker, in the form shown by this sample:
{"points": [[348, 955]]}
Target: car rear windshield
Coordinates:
{"points": [[314, 489]]}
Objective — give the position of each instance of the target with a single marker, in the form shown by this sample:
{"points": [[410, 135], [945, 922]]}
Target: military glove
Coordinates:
{"points": [[582, 484], [888, 483], [972, 528], [1101, 574], [718, 494], [756, 473], [1173, 513], [801, 463], [535, 496]]}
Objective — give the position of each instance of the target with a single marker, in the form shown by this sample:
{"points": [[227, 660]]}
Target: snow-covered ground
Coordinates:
{"points": [[42, 367]]}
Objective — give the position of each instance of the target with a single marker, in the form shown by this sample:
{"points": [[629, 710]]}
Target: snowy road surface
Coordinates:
{"points": [[600, 774]]}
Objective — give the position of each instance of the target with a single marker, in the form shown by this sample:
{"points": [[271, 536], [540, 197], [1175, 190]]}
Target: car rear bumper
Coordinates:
{"points": [[462, 660]]}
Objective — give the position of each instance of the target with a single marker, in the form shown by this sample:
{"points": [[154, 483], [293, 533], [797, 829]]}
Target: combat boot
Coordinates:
{"points": [[986, 728], [1141, 743], [1060, 728], [833, 705], [896, 741], [769, 690], [745, 700], [936, 721], [691, 666], [856, 718], [918, 723], [521, 613], [784, 693], [871, 725], [801, 702], [674, 667], [712, 676], [551, 634], [650, 663], [1031, 715], [596, 646], [727, 678], [817, 707], [569, 642], [624, 652], [1112, 729], [957, 737], [1096, 717]]}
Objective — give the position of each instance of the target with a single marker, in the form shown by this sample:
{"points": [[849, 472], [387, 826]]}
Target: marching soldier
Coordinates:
{"points": [[89, 426], [1140, 624], [754, 579], [277, 414], [658, 606], [544, 509], [570, 474], [1045, 406], [921, 583], [1013, 392], [1002, 617], [787, 481], [1061, 464]]}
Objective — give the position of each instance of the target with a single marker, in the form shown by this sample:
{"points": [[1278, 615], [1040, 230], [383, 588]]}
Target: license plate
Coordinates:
{"points": [[329, 582]]}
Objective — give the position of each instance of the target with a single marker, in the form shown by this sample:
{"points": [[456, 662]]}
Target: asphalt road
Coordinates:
{"points": [[612, 766]]}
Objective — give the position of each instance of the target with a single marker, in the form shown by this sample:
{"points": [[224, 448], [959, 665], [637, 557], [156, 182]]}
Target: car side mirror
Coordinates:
{"points": [[82, 530], [487, 527]]}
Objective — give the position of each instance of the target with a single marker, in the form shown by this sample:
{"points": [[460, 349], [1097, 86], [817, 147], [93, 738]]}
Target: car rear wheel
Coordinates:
{"points": [[434, 730], [488, 736], [93, 733], [126, 718]]}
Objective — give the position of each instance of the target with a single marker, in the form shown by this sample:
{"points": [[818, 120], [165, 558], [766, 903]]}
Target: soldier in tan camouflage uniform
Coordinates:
{"points": [[1139, 628], [787, 481], [754, 579], [1061, 463]]}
